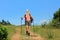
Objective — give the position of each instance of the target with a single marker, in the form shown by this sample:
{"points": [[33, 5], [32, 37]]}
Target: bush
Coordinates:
{"points": [[3, 33], [56, 23]]}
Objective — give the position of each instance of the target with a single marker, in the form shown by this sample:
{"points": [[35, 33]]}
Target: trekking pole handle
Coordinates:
{"points": [[21, 18], [33, 26]]}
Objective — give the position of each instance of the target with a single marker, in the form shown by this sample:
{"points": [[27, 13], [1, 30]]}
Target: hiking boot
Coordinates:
{"points": [[28, 34]]}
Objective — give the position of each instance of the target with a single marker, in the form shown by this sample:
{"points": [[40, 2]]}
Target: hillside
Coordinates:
{"points": [[38, 33]]}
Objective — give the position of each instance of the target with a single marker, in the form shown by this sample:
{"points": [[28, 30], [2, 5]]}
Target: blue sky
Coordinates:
{"points": [[12, 10]]}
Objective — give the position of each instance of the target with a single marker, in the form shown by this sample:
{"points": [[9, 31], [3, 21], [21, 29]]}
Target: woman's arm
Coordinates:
{"points": [[23, 16]]}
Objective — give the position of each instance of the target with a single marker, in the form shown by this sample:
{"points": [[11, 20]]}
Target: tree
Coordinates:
{"points": [[56, 19], [0, 22], [57, 15], [8, 23], [3, 22]]}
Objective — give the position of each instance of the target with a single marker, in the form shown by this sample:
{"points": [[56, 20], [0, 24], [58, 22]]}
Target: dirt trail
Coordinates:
{"points": [[17, 36], [36, 37]]}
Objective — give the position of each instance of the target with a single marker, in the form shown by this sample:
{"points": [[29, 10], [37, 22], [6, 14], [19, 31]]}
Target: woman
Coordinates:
{"points": [[28, 21]]}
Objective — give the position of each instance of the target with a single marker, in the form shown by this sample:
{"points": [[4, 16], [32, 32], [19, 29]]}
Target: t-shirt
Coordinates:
{"points": [[27, 17]]}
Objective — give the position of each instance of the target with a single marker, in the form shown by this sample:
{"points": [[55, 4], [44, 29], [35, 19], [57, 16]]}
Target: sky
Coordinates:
{"points": [[12, 10]]}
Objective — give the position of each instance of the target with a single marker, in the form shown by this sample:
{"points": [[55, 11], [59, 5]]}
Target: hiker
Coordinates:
{"points": [[28, 21]]}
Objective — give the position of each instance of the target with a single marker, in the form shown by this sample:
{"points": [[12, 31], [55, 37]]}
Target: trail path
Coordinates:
{"points": [[36, 37], [17, 36]]}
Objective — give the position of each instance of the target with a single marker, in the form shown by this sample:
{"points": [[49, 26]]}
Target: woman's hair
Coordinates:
{"points": [[28, 11]]}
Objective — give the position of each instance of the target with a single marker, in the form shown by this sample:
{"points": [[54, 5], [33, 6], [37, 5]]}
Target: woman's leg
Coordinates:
{"points": [[28, 28], [29, 23]]}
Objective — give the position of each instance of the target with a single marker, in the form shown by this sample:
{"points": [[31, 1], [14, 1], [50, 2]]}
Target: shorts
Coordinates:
{"points": [[28, 23]]}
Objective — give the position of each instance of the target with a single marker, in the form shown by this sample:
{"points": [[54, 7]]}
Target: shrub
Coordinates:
{"points": [[3, 33]]}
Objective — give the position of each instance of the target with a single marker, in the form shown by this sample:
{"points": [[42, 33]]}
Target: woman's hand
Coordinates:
{"points": [[21, 18]]}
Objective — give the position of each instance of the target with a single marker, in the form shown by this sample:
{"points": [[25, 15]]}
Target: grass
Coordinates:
{"points": [[47, 32], [43, 32]]}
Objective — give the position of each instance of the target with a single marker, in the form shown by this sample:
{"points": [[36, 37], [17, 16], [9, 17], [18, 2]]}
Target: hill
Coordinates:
{"points": [[36, 32]]}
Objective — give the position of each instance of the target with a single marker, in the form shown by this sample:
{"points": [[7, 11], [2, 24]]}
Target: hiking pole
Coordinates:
{"points": [[33, 26], [21, 24]]}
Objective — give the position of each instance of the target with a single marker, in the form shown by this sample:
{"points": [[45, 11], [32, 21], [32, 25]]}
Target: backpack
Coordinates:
{"points": [[31, 19]]}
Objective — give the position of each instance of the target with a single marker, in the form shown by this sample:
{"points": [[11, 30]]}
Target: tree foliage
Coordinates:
{"points": [[56, 19], [57, 15], [5, 22]]}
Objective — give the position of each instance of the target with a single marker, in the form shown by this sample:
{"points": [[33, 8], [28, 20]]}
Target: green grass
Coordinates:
{"points": [[46, 32], [43, 32]]}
